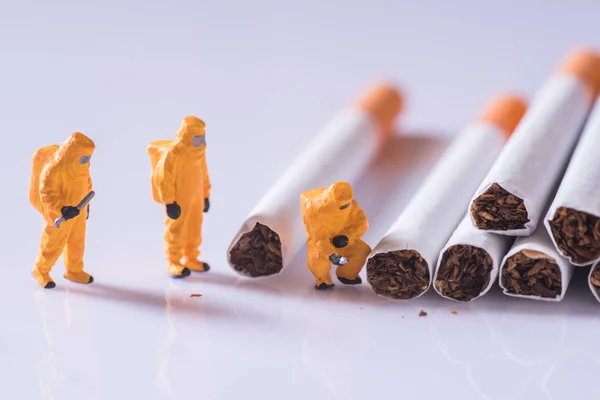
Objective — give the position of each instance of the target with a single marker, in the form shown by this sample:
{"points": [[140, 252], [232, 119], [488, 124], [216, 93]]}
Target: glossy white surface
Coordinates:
{"points": [[266, 76]]}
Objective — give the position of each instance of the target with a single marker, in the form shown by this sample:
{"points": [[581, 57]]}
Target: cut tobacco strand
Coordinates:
{"points": [[257, 253], [576, 234], [464, 272], [532, 273], [401, 274], [498, 210]]}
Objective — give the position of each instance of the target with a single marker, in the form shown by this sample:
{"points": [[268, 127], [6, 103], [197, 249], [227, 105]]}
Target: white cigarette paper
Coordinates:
{"points": [[339, 153], [536, 247], [533, 159], [594, 281], [489, 246], [578, 195], [402, 263]]}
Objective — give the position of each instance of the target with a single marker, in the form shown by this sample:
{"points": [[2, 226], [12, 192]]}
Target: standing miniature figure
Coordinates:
{"points": [[60, 188], [334, 224], [180, 182]]}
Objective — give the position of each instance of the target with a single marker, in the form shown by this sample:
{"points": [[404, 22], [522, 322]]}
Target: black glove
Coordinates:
{"points": [[340, 241], [88, 216], [206, 204], [335, 259], [173, 210], [69, 212]]}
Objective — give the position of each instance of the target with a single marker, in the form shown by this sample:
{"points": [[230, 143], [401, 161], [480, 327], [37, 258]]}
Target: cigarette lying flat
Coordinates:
{"points": [[533, 269], [514, 194], [468, 265], [594, 280], [274, 232], [401, 265], [573, 219]]}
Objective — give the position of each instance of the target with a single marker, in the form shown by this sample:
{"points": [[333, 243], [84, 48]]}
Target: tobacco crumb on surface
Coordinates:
{"points": [[464, 272], [453, 312], [195, 295], [257, 253], [422, 313], [496, 209], [577, 234], [595, 276], [401, 274], [532, 273]]}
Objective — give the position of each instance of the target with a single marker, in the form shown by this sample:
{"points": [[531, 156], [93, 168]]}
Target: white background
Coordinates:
{"points": [[265, 76]]}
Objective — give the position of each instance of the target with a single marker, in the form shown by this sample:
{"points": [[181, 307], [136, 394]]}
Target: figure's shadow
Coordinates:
{"points": [[176, 295]]}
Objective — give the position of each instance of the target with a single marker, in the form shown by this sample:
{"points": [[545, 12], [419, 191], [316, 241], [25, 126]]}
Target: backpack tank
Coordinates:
{"points": [[156, 151], [41, 158]]}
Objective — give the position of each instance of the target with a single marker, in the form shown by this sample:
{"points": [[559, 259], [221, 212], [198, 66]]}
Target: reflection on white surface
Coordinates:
{"points": [[140, 335]]}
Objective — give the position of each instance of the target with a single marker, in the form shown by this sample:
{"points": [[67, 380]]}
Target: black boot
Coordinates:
{"points": [[324, 286], [184, 273], [346, 281]]}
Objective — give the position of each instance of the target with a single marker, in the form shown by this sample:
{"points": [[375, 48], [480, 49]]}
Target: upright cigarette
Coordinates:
{"points": [[594, 280], [573, 219], [468, 265], [401, 265], [274, 232], [534, 269], [514, 194]]}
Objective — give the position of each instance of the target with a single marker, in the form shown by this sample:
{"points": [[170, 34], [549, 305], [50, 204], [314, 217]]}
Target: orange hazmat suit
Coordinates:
{"points": [[60, 179], [180, 182], [334, 224]]}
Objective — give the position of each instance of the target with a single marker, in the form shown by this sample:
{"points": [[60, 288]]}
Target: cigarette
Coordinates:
{"points": [[594, 280], [402, 263], [468, 265], [273, 232], [573, 220], [534, 269], [513, 196]]}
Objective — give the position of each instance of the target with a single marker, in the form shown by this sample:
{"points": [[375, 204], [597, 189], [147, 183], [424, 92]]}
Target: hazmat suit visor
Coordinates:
{"points": [[199, 141], [344, 206]]}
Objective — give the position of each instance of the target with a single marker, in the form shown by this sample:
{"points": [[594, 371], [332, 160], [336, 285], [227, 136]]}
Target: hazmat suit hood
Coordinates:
{"points": [[336, 201], [191, 131], [74, 153]]}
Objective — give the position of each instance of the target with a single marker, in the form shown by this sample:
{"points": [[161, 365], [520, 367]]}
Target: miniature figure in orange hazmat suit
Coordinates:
{"points": [[334, 224], [180, 182], [59, 181]]}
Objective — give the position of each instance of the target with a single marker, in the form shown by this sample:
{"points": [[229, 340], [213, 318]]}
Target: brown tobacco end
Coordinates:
{"points": [[422, 313], [464, 272], [498, 210], [257, 253], [595, 276], [532, 273], [195, 295], [401, 274], [577, 234]]}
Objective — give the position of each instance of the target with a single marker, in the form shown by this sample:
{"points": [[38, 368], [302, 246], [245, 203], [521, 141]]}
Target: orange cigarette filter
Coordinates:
{"points": [[585, 64], [505, 111], [383, 103]]}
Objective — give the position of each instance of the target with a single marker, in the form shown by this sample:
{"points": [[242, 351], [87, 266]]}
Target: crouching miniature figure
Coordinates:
{"points": [[334, 224]]}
